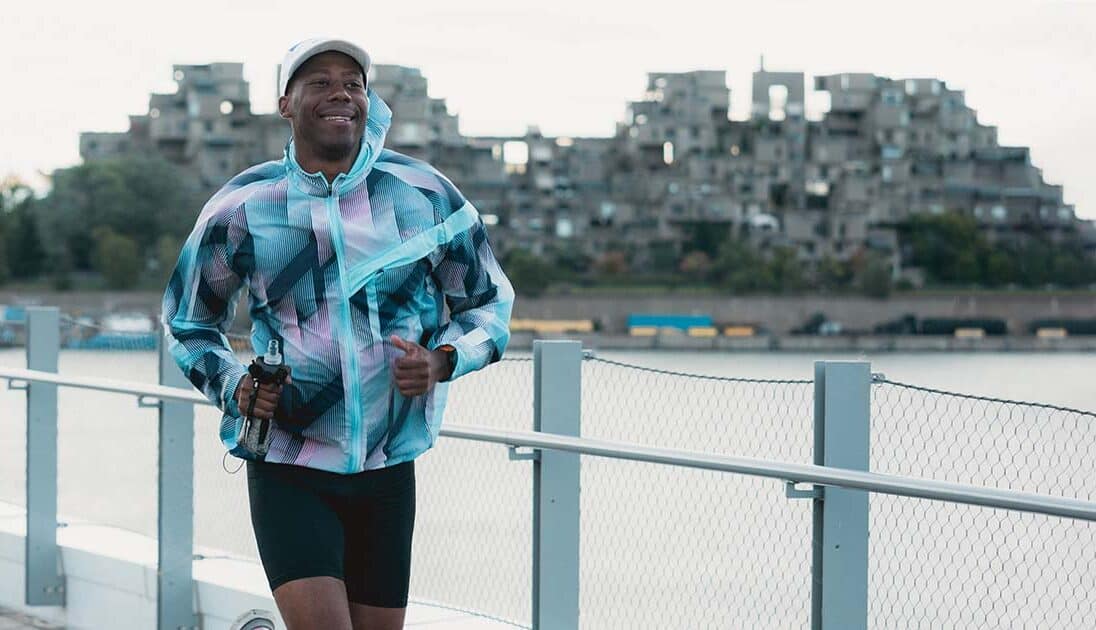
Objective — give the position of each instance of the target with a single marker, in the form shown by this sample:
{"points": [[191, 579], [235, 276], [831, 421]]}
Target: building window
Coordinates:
{"points": [[778, 102], [891, 97], [515, 152], [564, 228]]}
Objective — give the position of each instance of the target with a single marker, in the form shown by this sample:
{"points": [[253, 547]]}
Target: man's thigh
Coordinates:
{"points": [[315, 603], [376, 618], [298, 532], [378, 530]]}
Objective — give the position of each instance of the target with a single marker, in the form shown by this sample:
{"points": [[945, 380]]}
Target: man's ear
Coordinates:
{"points": [[283, 107]]}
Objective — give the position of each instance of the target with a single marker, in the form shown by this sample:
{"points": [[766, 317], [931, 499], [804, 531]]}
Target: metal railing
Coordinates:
{"points": [[837, 551]]}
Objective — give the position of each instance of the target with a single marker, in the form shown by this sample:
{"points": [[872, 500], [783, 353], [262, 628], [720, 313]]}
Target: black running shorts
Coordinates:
{"points": [[356, 528]]}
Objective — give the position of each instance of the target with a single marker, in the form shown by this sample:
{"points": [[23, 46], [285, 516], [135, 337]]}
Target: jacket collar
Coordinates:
{"points": [[376, 128]]}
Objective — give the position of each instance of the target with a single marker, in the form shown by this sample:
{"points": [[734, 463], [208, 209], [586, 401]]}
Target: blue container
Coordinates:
{"points": [[684, 322]]}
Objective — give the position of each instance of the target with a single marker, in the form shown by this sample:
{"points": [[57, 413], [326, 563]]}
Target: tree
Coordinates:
{"points": [[529, 274], [5, 274], [740, 267], [116, 257], [946, 246], [832, 274], [706, 237], [167, 254], [876, 278], [612, 263], [140, 198], [696, 264], [1000, 268], [23, 254], [786, 271]]}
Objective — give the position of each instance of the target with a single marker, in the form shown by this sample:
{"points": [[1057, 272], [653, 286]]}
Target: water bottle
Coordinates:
{"points": [[267, 369]]}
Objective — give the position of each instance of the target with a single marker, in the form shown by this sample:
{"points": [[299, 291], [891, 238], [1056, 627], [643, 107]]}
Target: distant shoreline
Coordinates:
{"points": [[813, 343], [774, 316]]}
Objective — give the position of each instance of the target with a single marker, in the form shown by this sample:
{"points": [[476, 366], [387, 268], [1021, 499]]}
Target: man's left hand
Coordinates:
{"points": [[418, 369]]}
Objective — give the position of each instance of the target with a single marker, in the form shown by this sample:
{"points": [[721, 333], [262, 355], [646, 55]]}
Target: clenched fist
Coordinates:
{"points": [[418, 369], [267, 400]]}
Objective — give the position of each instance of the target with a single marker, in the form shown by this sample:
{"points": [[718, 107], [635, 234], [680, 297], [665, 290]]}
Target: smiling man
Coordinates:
{"points": [[374, 275]]}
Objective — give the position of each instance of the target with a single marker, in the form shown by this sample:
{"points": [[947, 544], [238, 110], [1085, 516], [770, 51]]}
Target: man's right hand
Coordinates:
{"points": [[265, 403]]}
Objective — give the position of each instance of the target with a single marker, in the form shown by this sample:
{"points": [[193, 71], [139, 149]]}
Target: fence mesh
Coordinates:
{"points": [[660, 546], [941, 565], [473, 521], [665, 547]]}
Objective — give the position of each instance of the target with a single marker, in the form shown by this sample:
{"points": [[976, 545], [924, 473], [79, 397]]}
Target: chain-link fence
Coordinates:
{"points": [[661, 546], [473, 520], [668, 547], [942, 565]]}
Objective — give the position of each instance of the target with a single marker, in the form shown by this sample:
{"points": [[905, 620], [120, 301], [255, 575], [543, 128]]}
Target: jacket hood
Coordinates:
{"points": [[376, 128]]}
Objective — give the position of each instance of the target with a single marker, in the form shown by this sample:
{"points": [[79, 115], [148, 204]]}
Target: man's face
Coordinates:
{"points": [[327, 106]]}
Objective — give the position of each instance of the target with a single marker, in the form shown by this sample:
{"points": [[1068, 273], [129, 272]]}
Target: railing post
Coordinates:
{"points": [[45, 580], [839, 598], [557, 377], [175, 506]]}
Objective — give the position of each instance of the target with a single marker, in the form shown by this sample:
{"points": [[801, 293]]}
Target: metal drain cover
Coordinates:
{"points": [[255, 620]]}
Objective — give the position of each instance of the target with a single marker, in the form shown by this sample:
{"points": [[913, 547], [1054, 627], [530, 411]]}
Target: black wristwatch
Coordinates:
{"points": [[450, 358]]}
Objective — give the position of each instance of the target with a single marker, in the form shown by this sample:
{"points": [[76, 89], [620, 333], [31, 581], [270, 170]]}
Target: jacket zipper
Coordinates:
{"points": [[353, 396]]}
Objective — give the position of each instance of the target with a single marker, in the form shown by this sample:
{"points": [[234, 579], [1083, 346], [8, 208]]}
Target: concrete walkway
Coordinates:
{"points": [[12, 620]]}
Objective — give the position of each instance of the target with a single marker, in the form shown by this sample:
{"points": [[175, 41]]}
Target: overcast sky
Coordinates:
{"points": [[569, 67]]}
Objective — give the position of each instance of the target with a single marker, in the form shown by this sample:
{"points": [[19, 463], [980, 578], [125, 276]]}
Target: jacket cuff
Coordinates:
{"points": [[232, 383]]}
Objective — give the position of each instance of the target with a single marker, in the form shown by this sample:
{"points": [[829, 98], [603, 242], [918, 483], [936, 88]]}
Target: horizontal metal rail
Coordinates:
{"points": [[158, 392], [787, 471]]}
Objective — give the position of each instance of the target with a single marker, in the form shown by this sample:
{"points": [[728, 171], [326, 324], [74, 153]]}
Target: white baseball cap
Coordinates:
{"points": [[301, 52]]}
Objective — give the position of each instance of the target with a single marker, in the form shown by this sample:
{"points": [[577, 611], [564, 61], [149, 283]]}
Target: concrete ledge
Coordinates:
{"points": [[110, 582]]}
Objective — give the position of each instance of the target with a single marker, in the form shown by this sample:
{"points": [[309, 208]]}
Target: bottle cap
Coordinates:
{"points": [[273, 356]]}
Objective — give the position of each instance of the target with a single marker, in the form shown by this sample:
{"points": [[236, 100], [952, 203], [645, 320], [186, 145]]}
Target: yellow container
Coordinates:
{"points": [[1052, 333], [969, 333], [703, 331], [643, 331], [739, 331], [552, 325]]}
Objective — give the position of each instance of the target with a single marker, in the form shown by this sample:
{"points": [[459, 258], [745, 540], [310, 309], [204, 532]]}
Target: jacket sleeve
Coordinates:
{"points": [[200, 302], [479, 296]]}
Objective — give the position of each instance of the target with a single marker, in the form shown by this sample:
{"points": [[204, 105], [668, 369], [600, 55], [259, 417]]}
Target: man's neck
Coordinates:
{"points": [[312, 163]]}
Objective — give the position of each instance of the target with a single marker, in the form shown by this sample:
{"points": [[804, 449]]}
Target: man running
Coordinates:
{"points": [[350, 253]]}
